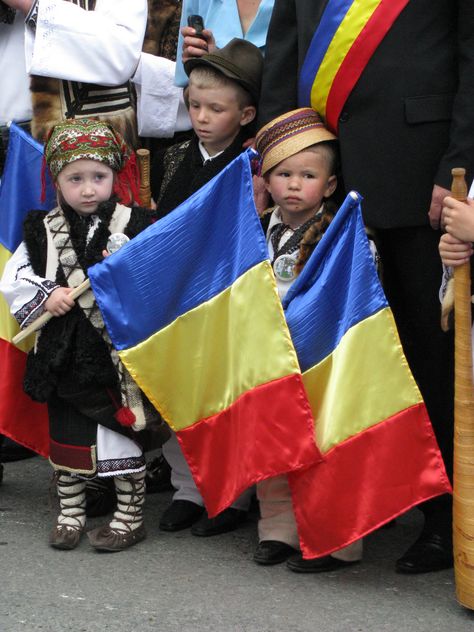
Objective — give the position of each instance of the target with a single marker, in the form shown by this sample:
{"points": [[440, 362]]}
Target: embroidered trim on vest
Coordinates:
{"points": [[60, 241], [87, 99]]}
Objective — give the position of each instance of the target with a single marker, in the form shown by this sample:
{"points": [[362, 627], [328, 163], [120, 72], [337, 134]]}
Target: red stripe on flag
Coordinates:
{"points": [[21, 419], [358, 56], [367, 481], [251, 440]]}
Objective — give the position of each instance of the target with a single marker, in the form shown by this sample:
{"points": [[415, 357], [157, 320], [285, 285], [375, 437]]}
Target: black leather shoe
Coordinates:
{"points": [[181, 514], [158, 476], [227, 520], [431, 552], [100, 497], [270, 552], [319, 565]]}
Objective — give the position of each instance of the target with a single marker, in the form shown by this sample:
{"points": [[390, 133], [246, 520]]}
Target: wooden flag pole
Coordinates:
{"points": [[143, 156], [463, 497]]}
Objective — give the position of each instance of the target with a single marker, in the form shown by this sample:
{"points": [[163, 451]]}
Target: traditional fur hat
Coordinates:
{"points": [[239, 60], [91, 139], [289, 134]]}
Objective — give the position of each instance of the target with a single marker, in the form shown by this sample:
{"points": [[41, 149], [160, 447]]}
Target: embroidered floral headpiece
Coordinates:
{"points": [[90, 139]]}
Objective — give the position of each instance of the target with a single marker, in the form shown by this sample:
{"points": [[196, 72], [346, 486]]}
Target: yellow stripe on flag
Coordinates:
{"points": [[347, 391], [8, 325], [203, 361], [351, 26]]}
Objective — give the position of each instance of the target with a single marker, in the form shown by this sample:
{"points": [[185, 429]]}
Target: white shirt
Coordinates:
{"points": [[160, 105], [101, 46], [15, 100]]}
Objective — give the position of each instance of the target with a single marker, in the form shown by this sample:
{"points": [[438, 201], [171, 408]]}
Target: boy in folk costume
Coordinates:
{"points": [[299, 163], [94, 407]]}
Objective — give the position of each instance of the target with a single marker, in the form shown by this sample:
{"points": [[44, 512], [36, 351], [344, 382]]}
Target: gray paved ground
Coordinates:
{"points": [[180, 583]]}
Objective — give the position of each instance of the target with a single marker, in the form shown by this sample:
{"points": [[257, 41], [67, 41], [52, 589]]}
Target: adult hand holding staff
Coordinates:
{"points": [[463, 496]]}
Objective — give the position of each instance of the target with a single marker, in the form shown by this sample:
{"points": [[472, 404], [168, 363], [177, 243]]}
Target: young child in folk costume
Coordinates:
{"points": [[299, 162], [93, 405]]}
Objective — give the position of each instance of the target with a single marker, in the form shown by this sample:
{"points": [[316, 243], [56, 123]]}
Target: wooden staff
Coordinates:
{"points": [[463, 497], [43, 319], [143, 156]]}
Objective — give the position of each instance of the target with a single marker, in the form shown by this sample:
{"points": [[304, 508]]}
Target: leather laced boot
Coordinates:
{"points": [[126, 527], [71, 520]]}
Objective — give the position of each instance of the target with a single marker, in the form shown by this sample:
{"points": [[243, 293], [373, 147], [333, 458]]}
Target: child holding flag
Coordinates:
{"points": [[93, 404], [299, 164], [224, 88]]}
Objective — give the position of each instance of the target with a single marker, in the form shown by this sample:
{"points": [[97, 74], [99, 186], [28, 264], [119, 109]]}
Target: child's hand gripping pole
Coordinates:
{"points": [[463, 497], [44, 318], [115, 242]]}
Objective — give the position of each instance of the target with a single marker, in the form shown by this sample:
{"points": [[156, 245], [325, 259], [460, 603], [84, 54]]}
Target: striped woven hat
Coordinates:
{"points": [[289, 134]]}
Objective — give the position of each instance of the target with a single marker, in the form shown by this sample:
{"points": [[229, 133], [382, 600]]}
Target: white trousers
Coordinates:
{"points": [[182, 479], [277, 520]]}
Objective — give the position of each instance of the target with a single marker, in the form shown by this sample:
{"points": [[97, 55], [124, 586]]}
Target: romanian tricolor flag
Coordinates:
{"points": [[21, 419], [192, 307], [371, 425], [347, 36]]}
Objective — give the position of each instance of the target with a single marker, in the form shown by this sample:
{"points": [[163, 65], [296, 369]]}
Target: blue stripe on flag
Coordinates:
{"points": [[20, 187], [337, 288], [183, 260]]}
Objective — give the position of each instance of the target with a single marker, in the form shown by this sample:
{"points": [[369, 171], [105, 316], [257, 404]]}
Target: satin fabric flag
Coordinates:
{"points": [[21, 418], [192, 307], [371, 425], [348, 34]]}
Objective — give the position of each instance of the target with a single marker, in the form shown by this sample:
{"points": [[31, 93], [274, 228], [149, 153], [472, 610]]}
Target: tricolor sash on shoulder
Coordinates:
{"points": [[348, 34]]}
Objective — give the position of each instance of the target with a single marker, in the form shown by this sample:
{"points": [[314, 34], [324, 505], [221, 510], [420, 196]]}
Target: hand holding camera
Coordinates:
{"points": [[197, 40]]}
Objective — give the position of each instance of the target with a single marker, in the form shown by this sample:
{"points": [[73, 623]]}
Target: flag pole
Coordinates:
{"points": [[463, 489], [143, 156]]}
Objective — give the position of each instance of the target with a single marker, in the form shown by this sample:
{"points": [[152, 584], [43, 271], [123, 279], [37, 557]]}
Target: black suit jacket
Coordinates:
{"points": [[410, 117]]}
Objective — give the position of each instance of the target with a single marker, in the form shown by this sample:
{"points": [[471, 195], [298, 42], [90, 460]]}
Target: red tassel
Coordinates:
{"points": [[43, 180], [127, 184], [125, 417]]}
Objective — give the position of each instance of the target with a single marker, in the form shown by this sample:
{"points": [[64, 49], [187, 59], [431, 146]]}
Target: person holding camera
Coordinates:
{"points": [[220, 22]]}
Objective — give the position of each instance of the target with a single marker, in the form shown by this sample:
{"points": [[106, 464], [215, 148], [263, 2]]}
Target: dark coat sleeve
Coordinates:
{"points": [[460, 151]]}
